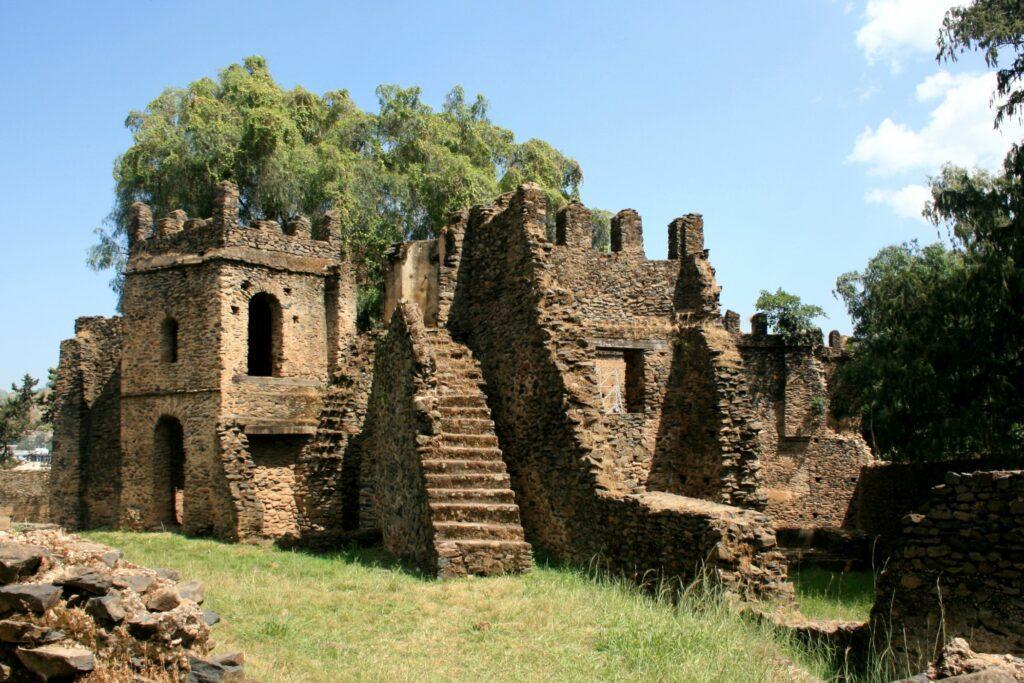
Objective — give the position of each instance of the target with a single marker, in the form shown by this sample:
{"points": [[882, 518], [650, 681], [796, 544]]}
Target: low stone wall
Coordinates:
{"points": [[888, 491], [652, 535], [27, 494], [957, 570]]}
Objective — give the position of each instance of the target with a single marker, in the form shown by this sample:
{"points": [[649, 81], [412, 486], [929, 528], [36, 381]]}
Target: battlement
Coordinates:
{"points": [[176, 233], [759, 337]]}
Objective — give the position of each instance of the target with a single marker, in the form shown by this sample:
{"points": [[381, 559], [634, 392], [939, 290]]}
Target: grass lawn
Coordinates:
{"points": [[357, 615], [824, 594]]}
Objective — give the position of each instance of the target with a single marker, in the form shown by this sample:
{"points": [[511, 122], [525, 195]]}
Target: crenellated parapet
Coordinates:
{"points": [[177, 233], [812, 460]]}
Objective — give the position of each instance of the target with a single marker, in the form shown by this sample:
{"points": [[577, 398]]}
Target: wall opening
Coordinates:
{"points": [[169, 340], [264, 336], [634, 380], [620, 379], [274, 458], [169, 472], [616, 238]]}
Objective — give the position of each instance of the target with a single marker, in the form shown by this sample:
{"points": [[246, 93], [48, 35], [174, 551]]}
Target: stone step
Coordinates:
{"points": [[467, 425], [451, 466], [500, 513], [473, 481], [459, 387], [473, 453], [466, 494], [475, 400], [469, 440], [487, 557], [465, 412], [468, 531]]}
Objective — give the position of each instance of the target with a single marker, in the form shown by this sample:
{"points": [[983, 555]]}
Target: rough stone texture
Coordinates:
{"points": [[599, 401], [85, 475], [27, 494], [887, 491], [334, 495], [535, 314], [210, 441], [810, 462], [958, 567], [959, 661], [82, 608], [442, 492]]}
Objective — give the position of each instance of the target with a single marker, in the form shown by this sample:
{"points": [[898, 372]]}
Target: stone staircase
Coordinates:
{"points": [[473, 509]]}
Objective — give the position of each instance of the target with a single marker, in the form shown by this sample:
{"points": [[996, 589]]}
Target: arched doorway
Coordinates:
{"points": [[264, 335], [169, 472]]}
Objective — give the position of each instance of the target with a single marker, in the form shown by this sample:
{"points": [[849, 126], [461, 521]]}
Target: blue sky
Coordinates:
{"points": [[803, 130]]}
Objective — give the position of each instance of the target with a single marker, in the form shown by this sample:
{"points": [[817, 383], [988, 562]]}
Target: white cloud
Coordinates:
{"points": [[908, 201], [895, 28], [959, 130]]}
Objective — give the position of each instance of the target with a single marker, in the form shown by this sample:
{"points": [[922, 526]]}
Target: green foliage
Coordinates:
{"points": [[358, 614], [937, 370], [994, 27], [825, 594], [391, 175], [787, 314], [369, 306], [16, 415], [601, 226]]}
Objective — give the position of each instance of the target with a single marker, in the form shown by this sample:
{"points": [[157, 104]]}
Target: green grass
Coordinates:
{"points": [[357, 615], [824, 594]]}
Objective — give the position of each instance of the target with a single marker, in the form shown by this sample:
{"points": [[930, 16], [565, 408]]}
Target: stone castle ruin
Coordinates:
{"points": [[526, 390]]}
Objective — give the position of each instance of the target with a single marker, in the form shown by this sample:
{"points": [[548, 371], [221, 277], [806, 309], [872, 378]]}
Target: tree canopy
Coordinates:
{"points": [[787, 314], [16, 416], [938, 363], [390, 175]]}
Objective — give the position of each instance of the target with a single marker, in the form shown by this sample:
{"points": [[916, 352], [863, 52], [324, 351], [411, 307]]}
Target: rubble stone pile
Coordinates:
{"points": [[72, 609]]}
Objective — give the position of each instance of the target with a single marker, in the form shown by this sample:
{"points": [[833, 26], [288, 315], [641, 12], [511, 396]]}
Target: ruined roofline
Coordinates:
{"points": [[176, 232], [759, 336]]}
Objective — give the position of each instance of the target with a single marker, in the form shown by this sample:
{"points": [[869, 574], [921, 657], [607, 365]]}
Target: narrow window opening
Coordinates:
{"points": [[561, 226], [264, 336], [169, 340], [616, 237], [169, 472], [635, 384]]}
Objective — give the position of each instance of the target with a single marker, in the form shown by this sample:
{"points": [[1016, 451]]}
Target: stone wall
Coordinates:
{"points": [[441, 490], [26, 493], [958, 569], [334, 493], [397, 421], [231, 293], [810, 462], [524, 315], [85, 477], [887, 491]]}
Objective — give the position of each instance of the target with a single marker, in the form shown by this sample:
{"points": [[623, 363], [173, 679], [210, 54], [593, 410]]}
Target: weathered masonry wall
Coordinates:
{"points": [[887, 491], [27, 494], [958, 570], [810, 463], [442, 492], [396, 416], [334, 493], [708, 439], [231, 334], [85, 477], [528, 328]]}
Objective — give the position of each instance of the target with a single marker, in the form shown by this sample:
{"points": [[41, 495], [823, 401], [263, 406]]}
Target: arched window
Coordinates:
{"points": [[169, 472], [264, 335], [169, 340]]}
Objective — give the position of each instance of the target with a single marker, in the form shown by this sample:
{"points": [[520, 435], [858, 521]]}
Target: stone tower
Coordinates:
{"points": [[231, 333]]}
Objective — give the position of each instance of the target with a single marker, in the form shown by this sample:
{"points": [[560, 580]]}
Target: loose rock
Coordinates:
{"points": [[53, 661], [37, 598]]}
